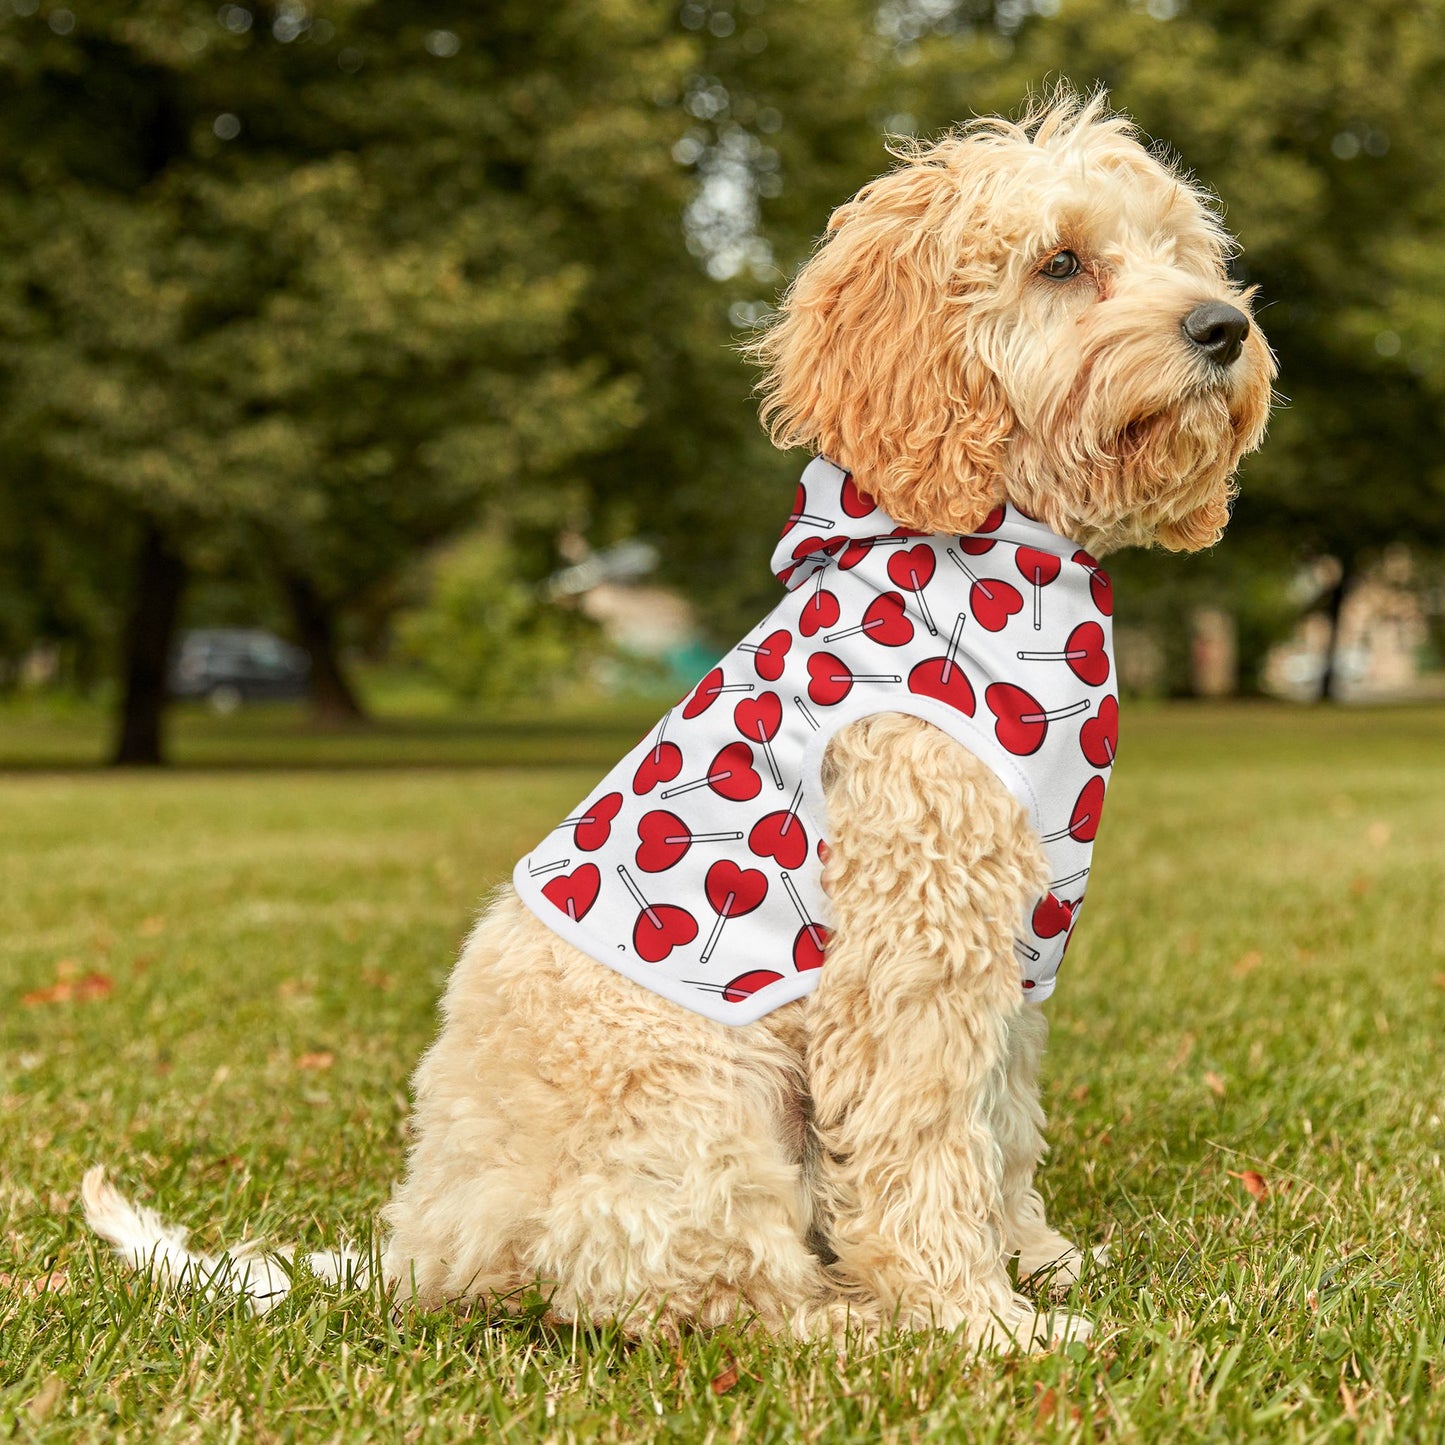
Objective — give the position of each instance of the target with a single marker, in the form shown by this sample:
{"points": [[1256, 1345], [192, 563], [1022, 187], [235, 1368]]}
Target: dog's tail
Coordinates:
{"points": [[147, 1243]]}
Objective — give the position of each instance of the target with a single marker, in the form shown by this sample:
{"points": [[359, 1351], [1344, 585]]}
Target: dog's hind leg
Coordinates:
{"points": [[932, 861], [577, 1134]]}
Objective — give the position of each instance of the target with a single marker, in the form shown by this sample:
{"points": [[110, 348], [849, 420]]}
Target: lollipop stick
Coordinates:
{"points": [[636, 892], [723, 914], [807, 716]]}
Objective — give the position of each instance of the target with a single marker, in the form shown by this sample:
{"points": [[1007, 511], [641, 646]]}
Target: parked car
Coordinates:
{"points": [[230, 665]]}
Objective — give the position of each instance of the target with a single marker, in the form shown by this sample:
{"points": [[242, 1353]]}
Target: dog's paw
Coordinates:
{"points": [[1023, 1326], [1058, 1271]]}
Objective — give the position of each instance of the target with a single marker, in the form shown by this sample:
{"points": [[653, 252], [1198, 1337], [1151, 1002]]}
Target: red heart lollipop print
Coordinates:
{"points": [[810, 947], [1052, 916], [993, 602], [1084, 652], [1099, 736], [660, 764], [1088, 809], [856, 503], [745, 985], [1037, 568], [1021, 724], [884, 621], [819, 611], [660, 928], [732, 891], [770, 655], [937, 677], [575, 892], [831, 680], [758, 718], [912, 568], [1101, 586], [708, 690], [731, 776], [594, 827], [780, 836], [663, 839]]}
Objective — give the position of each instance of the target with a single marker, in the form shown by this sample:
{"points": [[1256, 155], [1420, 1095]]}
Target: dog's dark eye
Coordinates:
{"points": [[1060, 266]]}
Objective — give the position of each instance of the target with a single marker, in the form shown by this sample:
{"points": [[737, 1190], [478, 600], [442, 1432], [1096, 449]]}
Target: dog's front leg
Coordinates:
{"points": [[932, 861]]}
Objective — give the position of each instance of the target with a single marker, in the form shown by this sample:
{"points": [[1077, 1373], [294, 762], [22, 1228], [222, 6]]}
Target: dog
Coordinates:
{"points": [[1024, 337]]}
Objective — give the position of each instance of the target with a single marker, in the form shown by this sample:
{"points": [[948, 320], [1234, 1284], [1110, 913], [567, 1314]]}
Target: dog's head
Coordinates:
{"points": [[1034, 311]]}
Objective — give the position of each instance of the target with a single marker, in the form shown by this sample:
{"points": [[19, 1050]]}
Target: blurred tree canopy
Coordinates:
{"points": [[318, 287]]}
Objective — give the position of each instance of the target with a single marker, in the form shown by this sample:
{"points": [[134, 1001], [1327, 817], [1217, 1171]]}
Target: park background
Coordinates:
{"points": [[408, 333]]}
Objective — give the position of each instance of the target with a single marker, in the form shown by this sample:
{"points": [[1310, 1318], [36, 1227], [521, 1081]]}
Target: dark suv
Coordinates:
{"points": [[231, 665]]}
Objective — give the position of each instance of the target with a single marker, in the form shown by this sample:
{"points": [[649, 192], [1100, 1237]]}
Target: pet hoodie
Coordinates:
{"points": [[694, 867]]}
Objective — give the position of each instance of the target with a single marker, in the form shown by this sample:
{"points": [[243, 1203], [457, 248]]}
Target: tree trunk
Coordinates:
{"points": [[1329, 676], [160, 578], [333, 699]]}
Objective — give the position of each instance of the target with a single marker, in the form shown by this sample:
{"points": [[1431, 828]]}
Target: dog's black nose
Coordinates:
{"points": [[1218, 330]]}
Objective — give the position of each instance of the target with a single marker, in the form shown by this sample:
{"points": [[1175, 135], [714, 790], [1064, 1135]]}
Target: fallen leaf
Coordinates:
{"points": [[1214, 1083], [1255, 1184], [56, 1282], [322, 1059], [1248, 962], [66, 990], [1046, 1408], [723, 1382]]}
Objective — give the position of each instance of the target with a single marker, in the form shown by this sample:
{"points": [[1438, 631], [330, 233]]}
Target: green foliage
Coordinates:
{"points": [[485, 634]]}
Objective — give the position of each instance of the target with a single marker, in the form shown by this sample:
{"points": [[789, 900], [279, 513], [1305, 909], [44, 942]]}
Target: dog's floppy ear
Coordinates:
{"points": [[872, 359]]}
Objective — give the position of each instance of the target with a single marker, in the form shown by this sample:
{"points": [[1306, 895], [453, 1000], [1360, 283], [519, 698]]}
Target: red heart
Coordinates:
{"points": [[912, 568], [659, 765], [830, 680], [807, 953], [937, 677], [819, 611], [1101, 586], [1038, 568], [660, 928], [856, 503], [772, 654], [993, 521], [808, 546], [596, 825], [854, 553], [663, 839], [1088, 809], [747, 984], [886, 622], [575, 892], [732, 774], [1093, 666], [733, 891], [1021, 725], [704, 694], [758, 718], [1052, 916], [994, 602], [800, 505], [780, 835], [1099, 736]]}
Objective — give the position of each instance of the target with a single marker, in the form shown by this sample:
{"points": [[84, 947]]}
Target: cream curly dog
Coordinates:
{"points": [[1035, 313]]}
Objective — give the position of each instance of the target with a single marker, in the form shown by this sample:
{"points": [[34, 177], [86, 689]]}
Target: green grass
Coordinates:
{"points": [[1257, 986]]}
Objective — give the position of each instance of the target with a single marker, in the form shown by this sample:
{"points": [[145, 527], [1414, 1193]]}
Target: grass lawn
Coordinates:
{"points": [[216, 980]]}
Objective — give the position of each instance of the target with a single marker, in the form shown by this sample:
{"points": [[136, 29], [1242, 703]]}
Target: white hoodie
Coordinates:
{"points": [[694, 866]]}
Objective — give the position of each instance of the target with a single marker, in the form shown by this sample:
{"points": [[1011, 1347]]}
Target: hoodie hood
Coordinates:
{"points": [[835, 520]]}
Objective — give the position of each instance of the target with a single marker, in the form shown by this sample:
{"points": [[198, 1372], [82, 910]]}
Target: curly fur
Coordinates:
{"points": [[865, 1156]]}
